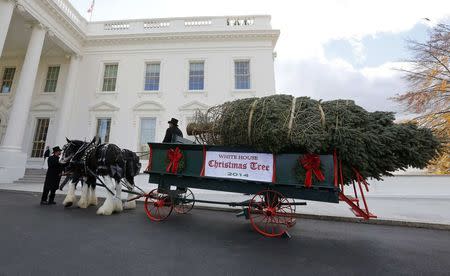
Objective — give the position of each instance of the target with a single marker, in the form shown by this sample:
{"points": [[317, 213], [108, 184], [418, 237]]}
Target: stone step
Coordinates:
{"points": [[35, 172], [34, 176], [28, 182], [31, 180]]}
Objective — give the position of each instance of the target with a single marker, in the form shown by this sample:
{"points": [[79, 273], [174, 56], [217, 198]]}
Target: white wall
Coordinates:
{"points": [[173, 94]]}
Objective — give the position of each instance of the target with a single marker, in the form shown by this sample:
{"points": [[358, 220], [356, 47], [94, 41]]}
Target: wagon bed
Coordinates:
{"points": [[273, 181]]}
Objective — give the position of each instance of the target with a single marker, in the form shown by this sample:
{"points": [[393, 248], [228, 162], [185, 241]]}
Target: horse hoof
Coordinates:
{"points": [[129, 205], [68, 204], [104, 213]]}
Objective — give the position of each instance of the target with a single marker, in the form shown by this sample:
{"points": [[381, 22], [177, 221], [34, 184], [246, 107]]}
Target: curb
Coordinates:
{"points": [[387, 222], [411, 224]]}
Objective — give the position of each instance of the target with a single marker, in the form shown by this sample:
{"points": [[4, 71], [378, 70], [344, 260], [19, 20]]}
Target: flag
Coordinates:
{"points": [[91, 8]]}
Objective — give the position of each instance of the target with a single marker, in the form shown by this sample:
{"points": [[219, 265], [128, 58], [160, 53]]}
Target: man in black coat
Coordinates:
{"points": [[172, 131], [52, 178]]}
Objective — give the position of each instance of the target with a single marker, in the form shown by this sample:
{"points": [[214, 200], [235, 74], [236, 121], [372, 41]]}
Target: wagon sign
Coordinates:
{"points": [[240, 165]]}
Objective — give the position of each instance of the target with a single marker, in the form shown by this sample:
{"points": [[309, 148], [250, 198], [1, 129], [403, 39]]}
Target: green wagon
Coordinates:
{"points": [[273, 182]]}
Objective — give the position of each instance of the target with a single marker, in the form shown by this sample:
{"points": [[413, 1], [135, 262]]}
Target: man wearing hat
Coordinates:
{"points": [[52, 178], [172, 131]]}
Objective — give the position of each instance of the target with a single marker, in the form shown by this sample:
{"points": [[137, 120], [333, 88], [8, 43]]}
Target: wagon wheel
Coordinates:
{"points": [[158, 204], [185, 202], [271, 213]]}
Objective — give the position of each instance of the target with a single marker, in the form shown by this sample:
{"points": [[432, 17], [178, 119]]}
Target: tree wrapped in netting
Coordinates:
{"points": [[367, 141], [274, 123]]}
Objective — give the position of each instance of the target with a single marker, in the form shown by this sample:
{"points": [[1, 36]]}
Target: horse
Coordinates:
{"points": [[87, 161], [72, 157]]}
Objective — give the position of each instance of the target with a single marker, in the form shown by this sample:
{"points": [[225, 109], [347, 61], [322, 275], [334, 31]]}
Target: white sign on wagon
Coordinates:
{"points": [[240, 165]]}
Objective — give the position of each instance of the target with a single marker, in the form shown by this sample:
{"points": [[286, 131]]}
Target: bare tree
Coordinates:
{"points": [[428, 95]]}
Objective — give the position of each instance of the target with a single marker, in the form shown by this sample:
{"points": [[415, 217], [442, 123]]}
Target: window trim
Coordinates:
{"points": [[140, 129], [249, 76], [205, 74], [250, 91], [101, 77], [34, 132], [57, 79], [97, 118], [145, 76], [11, 90]]}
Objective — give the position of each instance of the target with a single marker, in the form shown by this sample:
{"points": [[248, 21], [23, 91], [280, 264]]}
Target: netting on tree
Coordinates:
{"points": [[368, 141]]}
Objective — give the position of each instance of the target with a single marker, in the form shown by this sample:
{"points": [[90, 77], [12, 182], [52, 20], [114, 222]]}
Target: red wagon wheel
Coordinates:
{"points": [[158, 205], [185, 202], [271, 213]]}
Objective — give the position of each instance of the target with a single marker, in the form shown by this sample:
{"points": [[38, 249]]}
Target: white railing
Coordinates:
{"points": [[70, 11], [188, 24], [197, 22], [155, 24], [237, 21], [116, 26]]}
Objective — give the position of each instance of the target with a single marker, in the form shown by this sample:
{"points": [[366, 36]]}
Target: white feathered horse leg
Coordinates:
{"points": [[129, 204], [92, 198], [118, 207], [70, 197], [108, 206], [83, 202]]}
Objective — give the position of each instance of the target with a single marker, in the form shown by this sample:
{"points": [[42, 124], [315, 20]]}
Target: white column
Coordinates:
{"points": [[12, 159], [24, 92], [65, 109], [6, 11]]}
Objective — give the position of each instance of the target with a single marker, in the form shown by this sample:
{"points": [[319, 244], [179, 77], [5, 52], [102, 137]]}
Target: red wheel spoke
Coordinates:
{"points": [[268, 199], [158, 205], [185, 202], [270, 213]]}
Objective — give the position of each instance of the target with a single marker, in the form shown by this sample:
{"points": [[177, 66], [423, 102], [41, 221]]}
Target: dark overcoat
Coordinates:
{"points": [[54, 171], [170, 134]]}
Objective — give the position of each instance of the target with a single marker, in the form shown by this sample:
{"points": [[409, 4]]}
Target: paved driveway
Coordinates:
{"points": [[51, 240]]}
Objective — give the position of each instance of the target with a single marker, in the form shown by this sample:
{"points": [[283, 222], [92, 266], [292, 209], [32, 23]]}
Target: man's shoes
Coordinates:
{"points": [[51, 203], [44, 203]]}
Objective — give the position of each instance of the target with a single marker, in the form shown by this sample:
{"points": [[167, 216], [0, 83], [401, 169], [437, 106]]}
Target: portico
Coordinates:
{"points": [[28, 45]]}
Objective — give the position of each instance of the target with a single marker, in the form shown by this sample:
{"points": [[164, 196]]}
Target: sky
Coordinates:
{"points": [[328, 49]]}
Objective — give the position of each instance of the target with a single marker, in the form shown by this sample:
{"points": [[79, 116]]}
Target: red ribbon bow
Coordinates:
{"points": [[311, 163], [174, 156]]}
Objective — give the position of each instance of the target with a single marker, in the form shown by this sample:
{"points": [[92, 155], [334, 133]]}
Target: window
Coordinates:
{"points": [[40, 136], [110, 77], [8, 76], [52, 79], [103, 128], [242, 74], [148, 132], [152, 77], [196, 75]]}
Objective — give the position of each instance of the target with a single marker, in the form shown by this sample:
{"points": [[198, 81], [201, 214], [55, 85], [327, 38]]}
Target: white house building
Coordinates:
{"points": [[123, 80]]}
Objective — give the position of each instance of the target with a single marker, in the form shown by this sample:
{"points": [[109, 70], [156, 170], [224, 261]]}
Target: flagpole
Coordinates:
{"points": [[91, 10]]}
